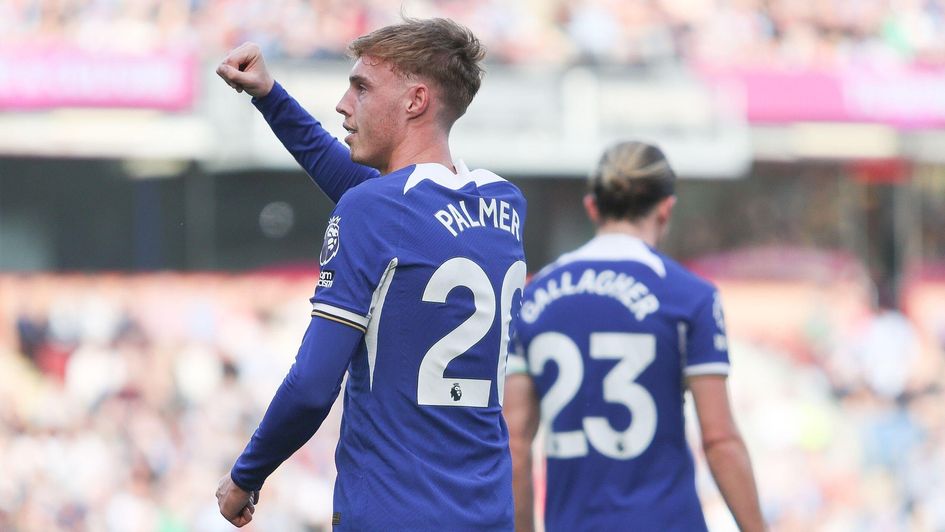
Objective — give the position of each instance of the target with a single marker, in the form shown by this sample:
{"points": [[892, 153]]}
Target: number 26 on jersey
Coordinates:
{"points": [[432, 387]]}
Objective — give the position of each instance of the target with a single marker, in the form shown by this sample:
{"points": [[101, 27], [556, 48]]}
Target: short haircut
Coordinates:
{"points": [[436, 49], [630, 179]]}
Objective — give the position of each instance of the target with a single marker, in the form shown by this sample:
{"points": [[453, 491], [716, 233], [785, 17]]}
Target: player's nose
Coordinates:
{"points": [[342, 106]]}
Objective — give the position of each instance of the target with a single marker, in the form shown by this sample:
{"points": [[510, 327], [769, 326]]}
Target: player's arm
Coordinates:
{"points": [[327, 161], [725, 450], [295, 413], [707, 367], [521, 410]]}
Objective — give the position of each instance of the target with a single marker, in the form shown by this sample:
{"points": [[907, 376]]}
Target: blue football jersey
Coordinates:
{"points": [[430, 265], [608, 333]]}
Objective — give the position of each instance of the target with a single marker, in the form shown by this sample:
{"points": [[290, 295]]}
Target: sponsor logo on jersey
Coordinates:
{"points": [[332, 240], [721, 342], [717, 312], [326, 278]]}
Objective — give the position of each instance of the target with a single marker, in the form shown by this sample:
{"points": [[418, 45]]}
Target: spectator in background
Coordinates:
{"points": [[888, 347], [608, 32]]}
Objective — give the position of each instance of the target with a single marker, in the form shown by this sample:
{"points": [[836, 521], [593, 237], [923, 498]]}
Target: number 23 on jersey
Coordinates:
{"points": [[635, 352]]}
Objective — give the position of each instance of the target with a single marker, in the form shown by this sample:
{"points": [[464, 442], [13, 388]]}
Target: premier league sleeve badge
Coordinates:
{"points": [[332, 241]]}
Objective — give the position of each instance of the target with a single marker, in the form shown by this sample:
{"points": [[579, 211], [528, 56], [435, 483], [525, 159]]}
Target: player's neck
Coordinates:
{"points": [[417, 149], [646, 230]]}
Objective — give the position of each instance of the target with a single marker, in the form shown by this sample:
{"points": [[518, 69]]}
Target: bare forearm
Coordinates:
{"points": [[521, 414], [731, 467], [523, 490]]}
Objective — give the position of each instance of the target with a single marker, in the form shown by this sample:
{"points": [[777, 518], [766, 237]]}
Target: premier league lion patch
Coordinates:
{"points": [[332, 241]]}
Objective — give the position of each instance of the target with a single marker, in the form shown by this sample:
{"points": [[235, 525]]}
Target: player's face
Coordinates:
{"points": [[374, 116]]}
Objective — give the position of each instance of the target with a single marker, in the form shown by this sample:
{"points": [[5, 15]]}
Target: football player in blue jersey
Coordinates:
{"points": [[422, 269], [609, 338]]}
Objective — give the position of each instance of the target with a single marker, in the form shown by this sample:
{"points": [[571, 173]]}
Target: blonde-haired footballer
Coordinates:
{"points": [[422, 269]]}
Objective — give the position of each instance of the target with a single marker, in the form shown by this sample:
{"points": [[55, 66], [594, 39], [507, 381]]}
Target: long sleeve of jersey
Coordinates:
{"points": [[327, 161], [301, 402]]}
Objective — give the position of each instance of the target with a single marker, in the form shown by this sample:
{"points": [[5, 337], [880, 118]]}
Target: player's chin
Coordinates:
{"points": [[358, 156]]}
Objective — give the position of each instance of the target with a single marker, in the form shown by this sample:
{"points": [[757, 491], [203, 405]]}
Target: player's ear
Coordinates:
{"points": [[665, 209], [590, 206], [418, 99]]}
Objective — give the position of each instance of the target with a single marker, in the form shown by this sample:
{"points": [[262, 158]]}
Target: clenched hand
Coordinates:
{"points": [[236, 504], [244, 69]]}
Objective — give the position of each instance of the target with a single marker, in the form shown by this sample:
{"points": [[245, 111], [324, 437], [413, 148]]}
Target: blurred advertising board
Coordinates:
{"points": [[67, 102], [40, 79], [899, 96]]}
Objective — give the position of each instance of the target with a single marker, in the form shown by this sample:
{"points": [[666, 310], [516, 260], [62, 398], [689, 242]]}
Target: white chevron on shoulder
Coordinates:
{"points": [[442, 176]]}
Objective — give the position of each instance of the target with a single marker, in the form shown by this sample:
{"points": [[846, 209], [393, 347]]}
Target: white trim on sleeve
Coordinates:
{"points": [[340, 313], [708, 368], [516, 365]]}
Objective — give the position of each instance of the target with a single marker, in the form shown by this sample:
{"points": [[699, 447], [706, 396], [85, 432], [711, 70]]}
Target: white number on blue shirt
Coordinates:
{"points": [[635, 352], [558, 347], [432, 387]]}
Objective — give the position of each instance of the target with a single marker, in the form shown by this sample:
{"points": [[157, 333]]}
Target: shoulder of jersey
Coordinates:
{"points": [[507, 188], [372, 190], [680, 273]]}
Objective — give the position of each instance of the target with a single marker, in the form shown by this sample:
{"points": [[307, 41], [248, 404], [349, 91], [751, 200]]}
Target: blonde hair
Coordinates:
{"points": [[436, 49], [630, 179]]}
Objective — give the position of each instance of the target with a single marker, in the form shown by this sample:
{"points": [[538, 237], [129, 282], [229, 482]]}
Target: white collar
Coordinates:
{"points": [[442, 176], [616, 247]]}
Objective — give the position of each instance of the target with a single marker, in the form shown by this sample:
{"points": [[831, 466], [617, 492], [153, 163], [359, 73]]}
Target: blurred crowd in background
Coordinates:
{"points": [[791, 33], [126, 397]]}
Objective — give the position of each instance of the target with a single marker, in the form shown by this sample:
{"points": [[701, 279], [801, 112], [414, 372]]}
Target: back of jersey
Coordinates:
{"points": [[609, 333], [432, 267]]}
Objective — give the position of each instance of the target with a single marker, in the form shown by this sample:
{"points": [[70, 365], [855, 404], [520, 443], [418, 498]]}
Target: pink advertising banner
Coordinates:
{"points": [[903, 97], [48, 79]]}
